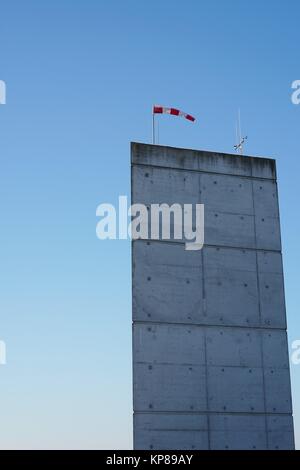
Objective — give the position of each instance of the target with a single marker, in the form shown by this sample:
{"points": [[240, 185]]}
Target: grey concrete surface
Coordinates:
{"points": [[210, 354]]}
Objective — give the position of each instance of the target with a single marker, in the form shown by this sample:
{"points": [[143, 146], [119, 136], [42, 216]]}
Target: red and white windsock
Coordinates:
{"points": [[173, 111]]}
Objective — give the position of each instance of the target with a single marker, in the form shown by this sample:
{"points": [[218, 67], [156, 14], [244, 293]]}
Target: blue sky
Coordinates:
{"points": [[81, 79]]}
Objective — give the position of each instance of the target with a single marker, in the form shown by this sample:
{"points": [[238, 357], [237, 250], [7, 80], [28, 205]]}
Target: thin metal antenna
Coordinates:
{"points": [[239, 124], [240, 140]]}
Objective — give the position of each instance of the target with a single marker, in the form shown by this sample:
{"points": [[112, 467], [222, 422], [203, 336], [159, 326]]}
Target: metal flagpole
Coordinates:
{"points": [[153, 126]]}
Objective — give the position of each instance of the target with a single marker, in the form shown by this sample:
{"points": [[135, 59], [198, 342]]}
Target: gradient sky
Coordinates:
{"points": [[81, 78]]}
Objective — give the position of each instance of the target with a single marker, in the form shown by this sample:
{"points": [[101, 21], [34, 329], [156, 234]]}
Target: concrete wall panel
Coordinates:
{"points": [[263, 168], [229, 259], [278, 390], [162, 156], [272, 300], [237, 432], [235, 389], [148, 339], [226, 229], [265, 198], [226, 194], [269, 262], [169, 387], [275, 349], [167, 283], [170, 431], [280, 432], [267, 233], [231, 292], [238, 347], [157, 186], [231, 300]]}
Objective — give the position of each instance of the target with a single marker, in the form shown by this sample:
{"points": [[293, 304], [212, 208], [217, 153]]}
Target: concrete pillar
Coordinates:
{"points": [[210, 354]]}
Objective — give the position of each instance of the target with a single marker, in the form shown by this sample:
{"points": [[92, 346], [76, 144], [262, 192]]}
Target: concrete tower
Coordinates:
{"points": [[210, 354]]}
